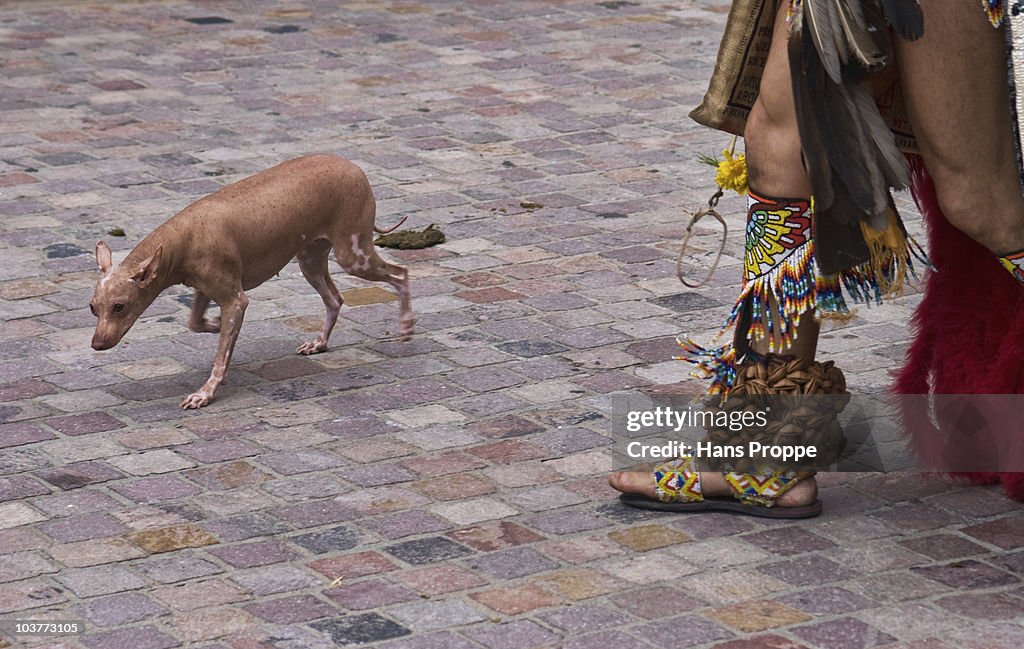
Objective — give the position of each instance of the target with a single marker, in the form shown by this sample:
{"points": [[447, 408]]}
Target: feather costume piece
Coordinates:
{"points": [[905, 17], [849, 152], [968, 339]]}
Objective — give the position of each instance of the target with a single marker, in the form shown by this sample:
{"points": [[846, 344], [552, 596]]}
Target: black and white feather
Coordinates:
{"points": [[850, 153]]}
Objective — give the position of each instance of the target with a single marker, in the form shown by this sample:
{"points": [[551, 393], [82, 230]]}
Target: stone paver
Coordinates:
{"points": [[448, 492]]}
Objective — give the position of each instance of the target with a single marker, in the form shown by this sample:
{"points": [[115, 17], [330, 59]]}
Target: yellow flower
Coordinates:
{"points": [[732, 172]]}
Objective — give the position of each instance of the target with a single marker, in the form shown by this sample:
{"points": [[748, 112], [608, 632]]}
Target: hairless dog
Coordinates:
{"points": [[241, 236]]}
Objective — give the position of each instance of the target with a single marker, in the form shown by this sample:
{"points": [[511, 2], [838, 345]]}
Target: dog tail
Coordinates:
{"points": [[391, 229]]}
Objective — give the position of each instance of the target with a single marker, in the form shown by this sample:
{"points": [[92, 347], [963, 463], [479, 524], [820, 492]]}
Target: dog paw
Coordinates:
{"points": [[406, 328], [195, 400], [206, 326], [312, 347], [405, 334]]}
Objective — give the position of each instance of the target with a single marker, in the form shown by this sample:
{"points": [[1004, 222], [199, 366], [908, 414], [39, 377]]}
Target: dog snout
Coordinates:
{"points": [[99, 344]]}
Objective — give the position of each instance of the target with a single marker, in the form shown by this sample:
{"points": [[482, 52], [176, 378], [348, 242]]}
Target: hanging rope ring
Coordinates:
{"points": [[695, 260]]}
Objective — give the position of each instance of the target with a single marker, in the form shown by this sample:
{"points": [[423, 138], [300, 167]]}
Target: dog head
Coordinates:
{"points": [[122, 294]]}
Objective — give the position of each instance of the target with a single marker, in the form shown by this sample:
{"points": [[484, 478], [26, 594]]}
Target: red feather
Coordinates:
{"points": [[969, 338]]}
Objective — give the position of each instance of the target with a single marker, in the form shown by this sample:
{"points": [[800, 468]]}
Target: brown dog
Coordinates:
{"points": [[241, 236]]}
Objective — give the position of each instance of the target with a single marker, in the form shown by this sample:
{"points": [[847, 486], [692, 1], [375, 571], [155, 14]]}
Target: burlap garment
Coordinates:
{"points": [[736, 80]]}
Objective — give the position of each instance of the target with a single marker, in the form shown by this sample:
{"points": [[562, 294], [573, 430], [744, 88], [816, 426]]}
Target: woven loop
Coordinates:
{"points": [[784, 386]]}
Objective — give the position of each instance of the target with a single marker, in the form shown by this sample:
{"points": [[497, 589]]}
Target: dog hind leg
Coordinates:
{"points": [[359, 258], [313, 264]]}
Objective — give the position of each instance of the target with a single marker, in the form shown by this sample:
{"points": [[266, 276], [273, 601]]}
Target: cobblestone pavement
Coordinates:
{"points": [[449, 492]]}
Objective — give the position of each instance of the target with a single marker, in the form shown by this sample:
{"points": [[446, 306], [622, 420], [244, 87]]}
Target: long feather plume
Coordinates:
{"points": [[839, 35], [809, 80], [849, 152], [819, 23], [864, 27], [889, 156], [905, 17]]}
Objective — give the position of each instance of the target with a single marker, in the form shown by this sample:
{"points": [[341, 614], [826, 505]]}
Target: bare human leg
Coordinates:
{"points": [[775, 167], [774, 163], [962, 121]]}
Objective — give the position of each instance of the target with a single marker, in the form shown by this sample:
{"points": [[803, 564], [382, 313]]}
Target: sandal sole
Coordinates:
{"points": [[723, 505]]}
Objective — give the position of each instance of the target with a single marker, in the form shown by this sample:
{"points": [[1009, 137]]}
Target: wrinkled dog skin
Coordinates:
{"points": [[238, 238]]}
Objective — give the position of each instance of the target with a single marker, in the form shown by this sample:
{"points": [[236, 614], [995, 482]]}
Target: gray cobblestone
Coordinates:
{"points": [[448, 492]]}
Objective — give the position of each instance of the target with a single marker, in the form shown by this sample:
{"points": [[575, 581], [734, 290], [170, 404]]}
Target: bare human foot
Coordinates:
{"points": [[712, 485]]}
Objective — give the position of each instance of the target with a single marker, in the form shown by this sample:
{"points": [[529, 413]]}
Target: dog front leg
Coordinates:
{"points": [[231, 313], [197, 316]]}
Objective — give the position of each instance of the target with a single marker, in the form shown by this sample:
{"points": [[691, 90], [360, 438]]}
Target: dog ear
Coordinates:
{"points": [[147, 270], [103, 257]]}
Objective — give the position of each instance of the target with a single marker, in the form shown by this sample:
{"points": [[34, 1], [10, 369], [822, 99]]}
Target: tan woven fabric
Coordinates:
{"points": [[736, 80]]}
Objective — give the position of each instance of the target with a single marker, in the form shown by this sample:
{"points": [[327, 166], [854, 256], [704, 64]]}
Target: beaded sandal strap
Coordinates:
{"points": [[761, 488], [678, 481], [1015, 264]]}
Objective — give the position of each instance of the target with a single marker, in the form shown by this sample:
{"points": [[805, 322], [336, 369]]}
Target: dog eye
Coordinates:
{"points": [[92, 308], [118, 308]]}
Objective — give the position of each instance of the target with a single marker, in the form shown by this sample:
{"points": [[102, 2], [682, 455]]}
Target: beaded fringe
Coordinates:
{"points": [[717, 364], [790, 288], [996, 11], [781, 296]]}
